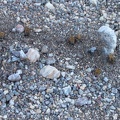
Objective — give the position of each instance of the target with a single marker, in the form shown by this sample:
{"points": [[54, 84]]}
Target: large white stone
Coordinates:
{"points": [[33, 55], [108, 39], [49, 72]]}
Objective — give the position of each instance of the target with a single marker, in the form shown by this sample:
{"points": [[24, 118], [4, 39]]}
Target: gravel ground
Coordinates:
{"points": [[79, 93]]}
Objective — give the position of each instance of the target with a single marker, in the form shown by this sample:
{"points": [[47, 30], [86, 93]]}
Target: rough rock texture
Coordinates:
{"points": [[108, 39]]}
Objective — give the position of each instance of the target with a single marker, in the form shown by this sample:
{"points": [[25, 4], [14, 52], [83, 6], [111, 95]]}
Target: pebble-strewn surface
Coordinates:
{"points": [[42, 75]]}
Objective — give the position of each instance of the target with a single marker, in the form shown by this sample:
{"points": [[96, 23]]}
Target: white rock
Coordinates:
{"points": [[11, 102], [6, 92], [5, 117], [48, 111], [83, 87], [50, 72], [33, 55], [63, 74], [14, 77], [19, 28], [37, 30], [18, 19], [108, 39], [14, 30], [19, 72], [22, 55], [50, 6]]}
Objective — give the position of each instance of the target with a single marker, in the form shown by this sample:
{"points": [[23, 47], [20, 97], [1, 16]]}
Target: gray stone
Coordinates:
{"points": [[15, 53], [70, 67], [42, 88], [70, 118], [88, 70], [14, 77], [44, 49], [50, 6], [114, 90], [67, 90], [50, 60], [105, 79], [82, 101], [11, 102], [92, 49], [14, 59], [22, 55], [8, 97]]}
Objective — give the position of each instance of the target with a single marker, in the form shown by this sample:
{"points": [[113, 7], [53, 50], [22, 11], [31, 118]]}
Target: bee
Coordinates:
{"points": [[26, 31], [97, 71], [78, 36], [111, 58], [74, 38], [2, 35]]}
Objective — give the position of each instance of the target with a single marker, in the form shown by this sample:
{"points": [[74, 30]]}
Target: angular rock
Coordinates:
{"points": [[44, 49], [19, 72], [22, 55], [92, 50], [50, 60], [19, 28], [50, 6], [94, 2], [16, 53], [108, 39], [67, 90], [33, 55], [50, 72], [14, 77]]}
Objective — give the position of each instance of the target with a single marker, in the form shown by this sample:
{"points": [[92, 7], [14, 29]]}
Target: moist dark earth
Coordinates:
{"points": [[68, 18]]}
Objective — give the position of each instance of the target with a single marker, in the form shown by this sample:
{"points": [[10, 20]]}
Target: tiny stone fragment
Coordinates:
{"points": [[19, 28]]}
